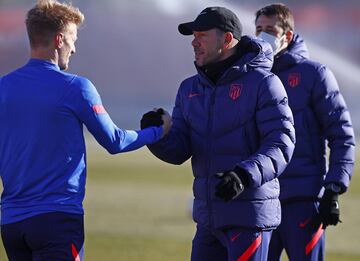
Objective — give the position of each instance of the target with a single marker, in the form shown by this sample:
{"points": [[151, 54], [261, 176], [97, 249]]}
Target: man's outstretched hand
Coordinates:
{"points": [[156, 117], [152, 118]]}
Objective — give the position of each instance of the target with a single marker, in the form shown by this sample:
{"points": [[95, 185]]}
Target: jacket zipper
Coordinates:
{"points": [[209, 147]]}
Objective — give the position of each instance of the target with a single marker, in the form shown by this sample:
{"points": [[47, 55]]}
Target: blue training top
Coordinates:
{"points": [[42, 147]]}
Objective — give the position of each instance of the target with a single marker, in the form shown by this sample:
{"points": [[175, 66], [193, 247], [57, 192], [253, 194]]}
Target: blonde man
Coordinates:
{"points": [[43, 157]]}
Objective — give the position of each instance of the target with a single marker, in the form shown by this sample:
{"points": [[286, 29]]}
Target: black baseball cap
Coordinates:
{"points": [[213, 17]]}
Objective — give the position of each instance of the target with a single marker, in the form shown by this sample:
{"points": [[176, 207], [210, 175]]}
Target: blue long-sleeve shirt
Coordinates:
{"points": [[42, 147]]}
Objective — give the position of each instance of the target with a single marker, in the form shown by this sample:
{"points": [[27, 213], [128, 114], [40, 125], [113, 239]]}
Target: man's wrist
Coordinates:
{"points": [[330, 195], [243, 176], [333, 187], [238, 179]]}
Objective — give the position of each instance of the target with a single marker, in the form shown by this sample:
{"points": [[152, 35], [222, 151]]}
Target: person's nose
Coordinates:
{"points": [[195, 42]]}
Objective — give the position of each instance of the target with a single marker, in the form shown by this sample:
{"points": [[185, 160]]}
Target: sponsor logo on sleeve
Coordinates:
{"points": [[98, 109]]}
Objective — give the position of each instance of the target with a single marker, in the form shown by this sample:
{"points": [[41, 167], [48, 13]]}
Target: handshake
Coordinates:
{"points": [[157, 117]]}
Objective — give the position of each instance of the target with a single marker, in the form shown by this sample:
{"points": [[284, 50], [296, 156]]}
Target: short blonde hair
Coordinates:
{"points": [[49, 17]]}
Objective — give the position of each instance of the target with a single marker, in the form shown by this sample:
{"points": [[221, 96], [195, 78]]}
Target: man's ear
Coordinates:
{"points": [[59, 40], [289, 36], [228, 39]]}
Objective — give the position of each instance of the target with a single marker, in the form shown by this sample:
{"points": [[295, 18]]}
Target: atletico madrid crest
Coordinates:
{"points": [[294, 79], [235, 91]]}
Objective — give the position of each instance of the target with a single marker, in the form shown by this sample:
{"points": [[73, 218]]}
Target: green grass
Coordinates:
{"points": [[137, 208], [127, 247]]}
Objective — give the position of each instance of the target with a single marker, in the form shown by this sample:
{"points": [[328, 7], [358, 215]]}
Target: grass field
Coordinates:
{"points": [[137, 208]]}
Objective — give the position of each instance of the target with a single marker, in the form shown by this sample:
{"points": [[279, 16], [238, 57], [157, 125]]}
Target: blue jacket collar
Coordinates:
{"points": [[296, 52], [256, 54]]}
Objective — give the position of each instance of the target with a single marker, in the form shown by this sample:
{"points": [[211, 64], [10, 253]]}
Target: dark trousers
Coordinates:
{"points": [[52, 236], [234, 244], [301, 241]]}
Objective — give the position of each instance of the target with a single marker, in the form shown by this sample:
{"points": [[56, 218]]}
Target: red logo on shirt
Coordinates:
{"points": [[294, 79], [99, 109], [235, 91]]}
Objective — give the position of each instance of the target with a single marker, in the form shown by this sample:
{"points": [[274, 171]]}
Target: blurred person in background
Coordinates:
{"points": [[43, 156], [321, 117], [232, 119]]}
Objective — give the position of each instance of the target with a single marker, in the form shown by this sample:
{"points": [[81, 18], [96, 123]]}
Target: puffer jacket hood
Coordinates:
{"points": [[296, 52], [257, 54], [253, 54]]}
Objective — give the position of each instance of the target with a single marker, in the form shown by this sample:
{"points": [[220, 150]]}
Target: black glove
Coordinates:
{"points": [[232, 184], [329, 212], [152, 118], [329, 208]]}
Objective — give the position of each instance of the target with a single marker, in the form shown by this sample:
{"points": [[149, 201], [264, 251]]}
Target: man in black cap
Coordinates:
{"points": [[210, 26], [232, 119]]}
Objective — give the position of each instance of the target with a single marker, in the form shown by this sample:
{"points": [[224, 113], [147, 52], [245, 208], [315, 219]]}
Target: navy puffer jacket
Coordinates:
{"points": [[320, 115], [245, 121]]}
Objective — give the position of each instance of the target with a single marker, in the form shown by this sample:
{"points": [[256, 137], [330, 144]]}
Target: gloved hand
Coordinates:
{"points": [[152, 118], [329, 208], [329, 212], [232, 184]]}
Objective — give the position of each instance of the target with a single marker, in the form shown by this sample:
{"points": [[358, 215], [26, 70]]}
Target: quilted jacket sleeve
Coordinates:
{"points": [[175, 147], [277, 135], [333, 115]]}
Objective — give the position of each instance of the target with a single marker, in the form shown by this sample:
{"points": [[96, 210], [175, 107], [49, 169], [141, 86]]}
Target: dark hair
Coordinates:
{"points": [[49, 17], [283, 14]]}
